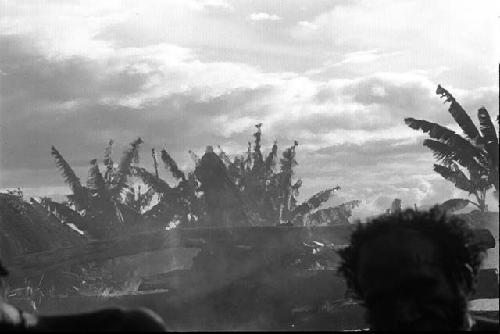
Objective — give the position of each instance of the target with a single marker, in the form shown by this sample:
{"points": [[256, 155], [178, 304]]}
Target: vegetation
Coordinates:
{"points": [[183, 203], [270, 195], [246, 190], [469, 161], [107, 202], [454, 204]]}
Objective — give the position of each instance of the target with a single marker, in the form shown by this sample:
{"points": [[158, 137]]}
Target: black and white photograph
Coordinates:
{"points": [[249, 165]]}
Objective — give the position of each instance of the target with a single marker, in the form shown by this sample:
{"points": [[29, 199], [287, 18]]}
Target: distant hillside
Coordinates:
{"points": [[27, 228]]}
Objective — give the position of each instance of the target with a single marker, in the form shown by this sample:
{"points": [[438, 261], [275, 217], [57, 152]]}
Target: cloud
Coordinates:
{"points": [[62, 28], [403, 95], [211, 5], [374, 152], [307, 26], [360, 57], [264, 17], [431, 35], [368, 23], [367, 172], [79, 74], [165, 92], [130, 77]]}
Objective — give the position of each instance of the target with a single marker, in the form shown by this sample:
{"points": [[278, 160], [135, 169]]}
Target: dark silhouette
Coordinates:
{"points": [[3, 271], [112, 320], [225, 206], [414, 271], [469, 160]]}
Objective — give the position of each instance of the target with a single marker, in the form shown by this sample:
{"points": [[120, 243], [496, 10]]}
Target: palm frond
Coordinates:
{"points": [[108, 162], [172, 165], [317, 199], [288, 161], [446, 136], [271, 158], [123, 171], [441, 151], [155, 163], [69, 175], [64, 213], [490, 140], [334, 215], [155, 183], [95, 180], [435, 130], [314, 202], [455, 175], [257, 154], [459, 114], [79, 193], [447, 154], [248, 160], [454, 204], [295, 188]]}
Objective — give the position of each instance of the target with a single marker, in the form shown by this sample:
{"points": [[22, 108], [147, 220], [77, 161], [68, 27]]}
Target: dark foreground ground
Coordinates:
{"points": [[266, 278], [214, 313]]}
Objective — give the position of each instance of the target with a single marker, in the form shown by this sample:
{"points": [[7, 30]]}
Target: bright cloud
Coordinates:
{"points": [[338, 76], [264, 17], [424, 33], [308, 26], [210, 5]]}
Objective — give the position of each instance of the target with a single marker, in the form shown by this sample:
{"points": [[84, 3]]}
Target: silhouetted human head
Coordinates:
{"points": [[413, 270]]}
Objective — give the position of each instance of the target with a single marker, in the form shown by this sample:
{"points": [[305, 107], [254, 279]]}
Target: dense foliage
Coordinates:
{"points": [[470, 160], [245, 190], [107, 202]]}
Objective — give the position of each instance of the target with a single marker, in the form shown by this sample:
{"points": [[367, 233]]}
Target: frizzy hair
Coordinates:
{"points": [[454, 240]]}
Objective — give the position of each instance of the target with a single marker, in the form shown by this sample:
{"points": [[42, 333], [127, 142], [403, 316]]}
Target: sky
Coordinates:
{"points": [[338, 76]]}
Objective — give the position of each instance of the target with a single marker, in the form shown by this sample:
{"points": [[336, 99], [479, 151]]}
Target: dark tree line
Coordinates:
{"points": [[245, 190]]}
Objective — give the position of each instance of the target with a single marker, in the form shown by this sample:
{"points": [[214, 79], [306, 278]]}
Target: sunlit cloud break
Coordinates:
{"points": [[264, 17]]}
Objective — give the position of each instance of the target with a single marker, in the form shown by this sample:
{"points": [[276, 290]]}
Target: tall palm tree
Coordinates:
{"points": [[470, 160]]}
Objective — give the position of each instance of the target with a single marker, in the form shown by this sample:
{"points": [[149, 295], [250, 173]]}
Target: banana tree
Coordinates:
{"points": [[270, 196], [182, 203], [103, 199], [469, 161]]}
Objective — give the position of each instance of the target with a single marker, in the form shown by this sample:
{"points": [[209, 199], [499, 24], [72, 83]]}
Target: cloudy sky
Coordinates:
{"points": [[338, 76]]}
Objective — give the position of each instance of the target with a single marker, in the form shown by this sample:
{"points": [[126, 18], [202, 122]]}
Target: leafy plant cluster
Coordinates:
{"points": [[245, 190], [469, 161]]}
